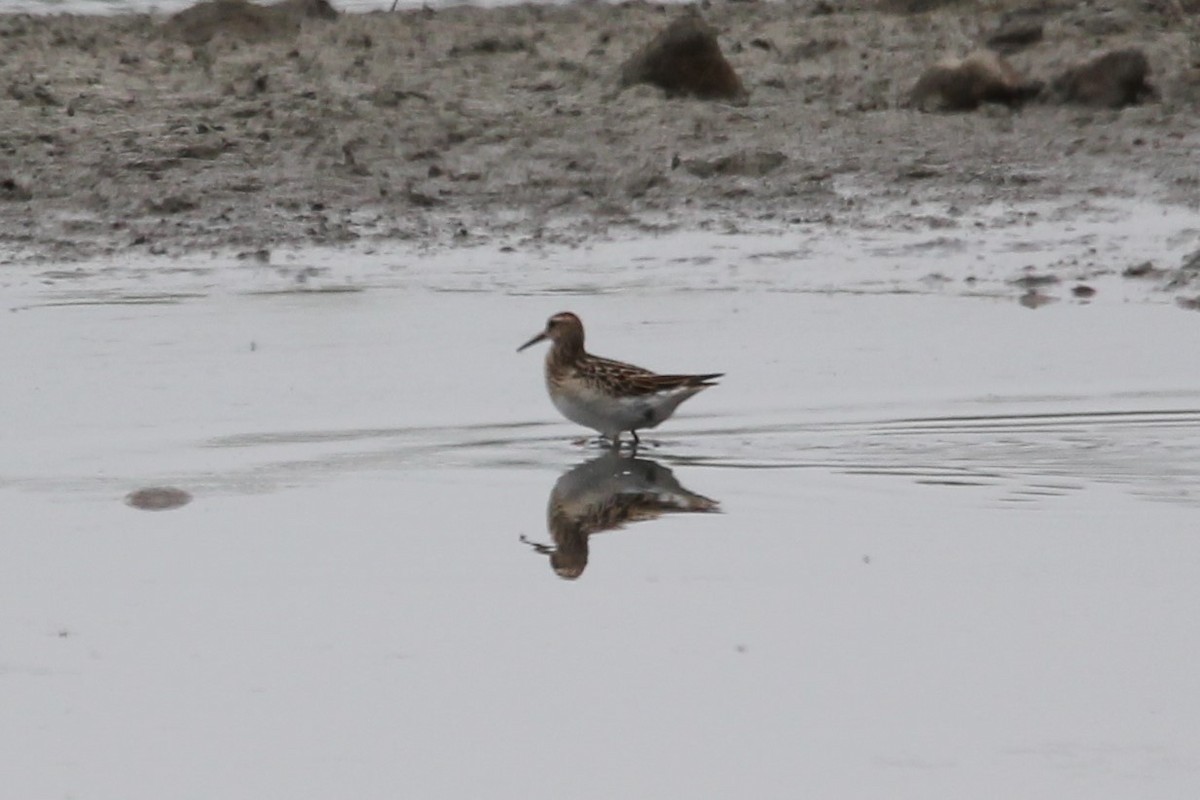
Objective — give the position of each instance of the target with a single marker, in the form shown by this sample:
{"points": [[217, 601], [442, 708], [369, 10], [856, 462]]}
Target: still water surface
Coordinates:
{"points": [[914, 544]]}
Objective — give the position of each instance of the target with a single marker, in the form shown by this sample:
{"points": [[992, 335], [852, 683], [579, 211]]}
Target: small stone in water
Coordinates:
{"points": [[158, 498]]}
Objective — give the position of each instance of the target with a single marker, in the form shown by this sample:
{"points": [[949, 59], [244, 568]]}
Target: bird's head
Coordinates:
{"points": [[564, 327]]}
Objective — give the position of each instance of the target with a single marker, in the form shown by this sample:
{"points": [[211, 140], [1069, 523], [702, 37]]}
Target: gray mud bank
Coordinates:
{"points": [[134, 134]]}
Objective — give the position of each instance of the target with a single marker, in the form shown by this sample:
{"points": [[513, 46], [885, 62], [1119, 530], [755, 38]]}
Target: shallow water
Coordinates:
{"points": [[954, 547]]}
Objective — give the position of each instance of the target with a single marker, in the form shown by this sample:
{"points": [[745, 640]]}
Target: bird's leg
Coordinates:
{"points": [[616, 441], [636, 440]]}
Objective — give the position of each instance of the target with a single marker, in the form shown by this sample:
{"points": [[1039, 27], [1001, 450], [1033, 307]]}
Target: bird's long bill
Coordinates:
{"points": [[532, 341]]}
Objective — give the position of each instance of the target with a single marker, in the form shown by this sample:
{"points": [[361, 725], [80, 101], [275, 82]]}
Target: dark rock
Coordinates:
{"points": [[685, 59], [1113, 80], [1083, 291], [244, 20], [158, 498], [962, 85], [1146, 269]]}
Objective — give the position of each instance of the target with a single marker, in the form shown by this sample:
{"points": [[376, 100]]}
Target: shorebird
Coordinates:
{"points": [[608, 396]]}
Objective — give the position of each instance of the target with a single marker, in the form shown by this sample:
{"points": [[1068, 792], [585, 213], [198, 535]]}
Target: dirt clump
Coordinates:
{"points": [[964, 84], [685, 59], [1112, 80]]}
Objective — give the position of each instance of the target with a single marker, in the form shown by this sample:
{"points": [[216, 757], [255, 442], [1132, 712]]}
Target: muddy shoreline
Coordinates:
{"points": [[470, 125]]}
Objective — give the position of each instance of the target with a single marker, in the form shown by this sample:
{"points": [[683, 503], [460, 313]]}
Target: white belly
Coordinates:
{"points": [[579, 402], [606, 414]]}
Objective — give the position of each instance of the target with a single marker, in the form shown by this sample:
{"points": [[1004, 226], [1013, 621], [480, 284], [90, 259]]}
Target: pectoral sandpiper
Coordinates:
{"points": [[608, 396]]}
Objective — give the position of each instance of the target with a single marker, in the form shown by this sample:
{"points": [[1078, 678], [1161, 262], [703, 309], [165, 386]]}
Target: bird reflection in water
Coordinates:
{"points": [[604, 494]]}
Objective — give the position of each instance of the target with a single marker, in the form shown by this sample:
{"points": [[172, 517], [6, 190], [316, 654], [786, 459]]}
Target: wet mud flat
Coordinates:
{"points": [[137, 135]]}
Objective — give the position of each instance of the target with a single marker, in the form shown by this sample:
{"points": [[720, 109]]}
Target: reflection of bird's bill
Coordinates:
{"points": [[538, 338]]}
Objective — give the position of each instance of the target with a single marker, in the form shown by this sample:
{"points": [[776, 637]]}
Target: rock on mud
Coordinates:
{"points": [[964, 84], [1114, 80], [685, 59], [1146, 269], [243, 20]]}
